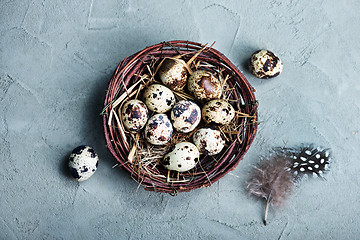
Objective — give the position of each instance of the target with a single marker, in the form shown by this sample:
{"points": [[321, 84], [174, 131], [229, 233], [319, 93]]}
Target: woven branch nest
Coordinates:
{"points": [[142, 160]]}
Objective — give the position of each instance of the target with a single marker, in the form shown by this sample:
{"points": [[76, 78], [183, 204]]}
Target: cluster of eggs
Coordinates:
{"points": [[182, 116]]}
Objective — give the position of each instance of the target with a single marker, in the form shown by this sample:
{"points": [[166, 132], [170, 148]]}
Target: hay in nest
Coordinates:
{"points": [[143, 160]]}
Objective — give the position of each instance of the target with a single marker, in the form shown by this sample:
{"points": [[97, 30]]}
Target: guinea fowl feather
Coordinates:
{"points": [[274, 178]]}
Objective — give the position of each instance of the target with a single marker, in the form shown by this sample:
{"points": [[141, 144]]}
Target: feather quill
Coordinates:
{"points": [[272, 180]]}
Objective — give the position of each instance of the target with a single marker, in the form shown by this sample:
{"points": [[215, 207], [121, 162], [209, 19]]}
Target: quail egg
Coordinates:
{"points": [[158, 130], [183, 158], [159, 98], [83, 162], [208, 141], [204, 85], [185, 116], [265, 64], [135, 115], [218, 111], [173, 73]]}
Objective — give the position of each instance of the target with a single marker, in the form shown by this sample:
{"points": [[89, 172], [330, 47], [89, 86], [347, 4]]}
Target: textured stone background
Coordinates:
{"points": [[56, 58]]}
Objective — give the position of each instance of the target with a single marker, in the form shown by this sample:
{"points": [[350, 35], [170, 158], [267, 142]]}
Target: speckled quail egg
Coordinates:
{"points": [[83, 162], [134, 114], [218, 111], [173, 73], [265, 64], [208, 141], [185, 116], [183, 158], [158, 130], [204, 85], [159, 98]]}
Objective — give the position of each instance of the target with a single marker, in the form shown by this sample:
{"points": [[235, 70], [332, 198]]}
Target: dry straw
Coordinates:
{"points": [[142, 160]]}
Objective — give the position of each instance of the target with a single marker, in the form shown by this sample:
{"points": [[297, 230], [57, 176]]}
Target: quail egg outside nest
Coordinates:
{"points": [[83, 162], [265, 64], [158, 130], [159, 98], [218, 111], [182, 158], [185, 116]]}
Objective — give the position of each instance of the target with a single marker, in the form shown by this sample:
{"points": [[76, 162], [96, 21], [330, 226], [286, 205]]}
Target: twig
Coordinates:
{"points": [[132, 153], [196, 54], [125, 94]]}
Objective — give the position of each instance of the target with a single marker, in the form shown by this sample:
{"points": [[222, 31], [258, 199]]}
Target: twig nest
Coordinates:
{"points": [[83, 162], [218, 111], [142, 154], [185, 116], [204, 85], [208, 141], [173, 74], [183, 158], [159, 98], [158, 130], [265, 64], [134, 114]]}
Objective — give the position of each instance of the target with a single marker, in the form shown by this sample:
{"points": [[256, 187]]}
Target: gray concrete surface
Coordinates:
{"points": [[56, 58]]}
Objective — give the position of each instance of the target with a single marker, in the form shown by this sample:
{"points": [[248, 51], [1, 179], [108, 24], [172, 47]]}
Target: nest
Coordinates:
{"points": [[143, 160]]}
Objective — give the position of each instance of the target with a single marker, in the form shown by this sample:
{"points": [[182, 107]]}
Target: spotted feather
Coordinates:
{"points": [[309, 160]]}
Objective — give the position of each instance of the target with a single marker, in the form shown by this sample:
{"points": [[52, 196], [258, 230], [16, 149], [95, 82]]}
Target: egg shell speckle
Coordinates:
{"points": [[173, 74], [159, 98], [204, 85], [134, 114], [265, 64], [185, 116], [218, 111], [208, 141], [182, 158], [83, 162], [158, 130]]}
